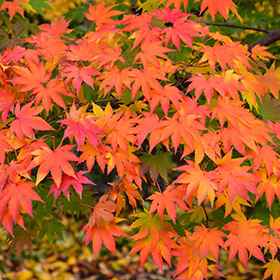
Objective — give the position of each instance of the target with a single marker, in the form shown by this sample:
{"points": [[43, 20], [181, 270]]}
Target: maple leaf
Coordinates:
{"points": [[7, 220], [111, 54], [272, 268], [153, 237], [81, 127], [4, 146], [102, 211], [115, 78], [51, 91], [116, 196], [31, 77], [79, 75], [147, 79], [235, 177], [182, 29], [131, 191], [198, 181], [217, 5], [101, 14], [177, 3], [25, 121], [67, 181], [235, 204], [168, 93], [166, 200], [18, 194], [121, 160], [270, 185], [260, 51], [54, 161], [206, 240], [225, 55], [245, 236], [90, 154], [13, 7], [186, 127], [156, 164], [103, 233], [7, 101], [189, 266], [121, 135], [149, 51], [22, 238], [56, 28]]}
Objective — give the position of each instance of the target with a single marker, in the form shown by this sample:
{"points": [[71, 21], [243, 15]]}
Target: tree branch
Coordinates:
{"points": [[237, 26], [270, 38]]}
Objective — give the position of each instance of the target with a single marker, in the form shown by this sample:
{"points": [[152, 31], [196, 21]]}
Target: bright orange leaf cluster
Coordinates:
{"points": [[111, 99]]}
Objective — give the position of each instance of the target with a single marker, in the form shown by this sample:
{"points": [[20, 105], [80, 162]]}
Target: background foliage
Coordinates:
{"points": [[117, 116]]}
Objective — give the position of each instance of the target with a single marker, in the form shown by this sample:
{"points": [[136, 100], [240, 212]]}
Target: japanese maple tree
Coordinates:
{"points": [[160, 103]]}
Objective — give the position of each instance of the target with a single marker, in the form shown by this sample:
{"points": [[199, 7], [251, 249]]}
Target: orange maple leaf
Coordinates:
{"points": [[25, 121], [13, 7], [101, 14], [168, 93], [90, 154], [198, 181], [53, 161], [150, 51], [153, 237], [177, 3], [115, 78], [245, 236], [225, 54], [147, 79], [217, 5], [18, 194], [102, 211], [166, 200], [7, 220], [206, 240], [102, 233], [31, 77], [186, 127], [236, 178]]}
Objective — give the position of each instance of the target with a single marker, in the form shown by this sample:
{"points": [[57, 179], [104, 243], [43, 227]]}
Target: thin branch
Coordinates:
{"points": [[238, 26]]}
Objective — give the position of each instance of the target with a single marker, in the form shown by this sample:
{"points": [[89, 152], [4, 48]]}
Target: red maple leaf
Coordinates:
{"points": [[67, 181], [25, 121], [102, 211], [53, 161], [18, 194], [79, 75], [82, 127]]}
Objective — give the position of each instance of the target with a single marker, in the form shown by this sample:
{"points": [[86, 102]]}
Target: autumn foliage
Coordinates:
{"points": [[112, 101]]}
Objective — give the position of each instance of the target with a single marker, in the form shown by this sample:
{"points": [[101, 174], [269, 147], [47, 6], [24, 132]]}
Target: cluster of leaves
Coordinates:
{"points": [[117, 98]]}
